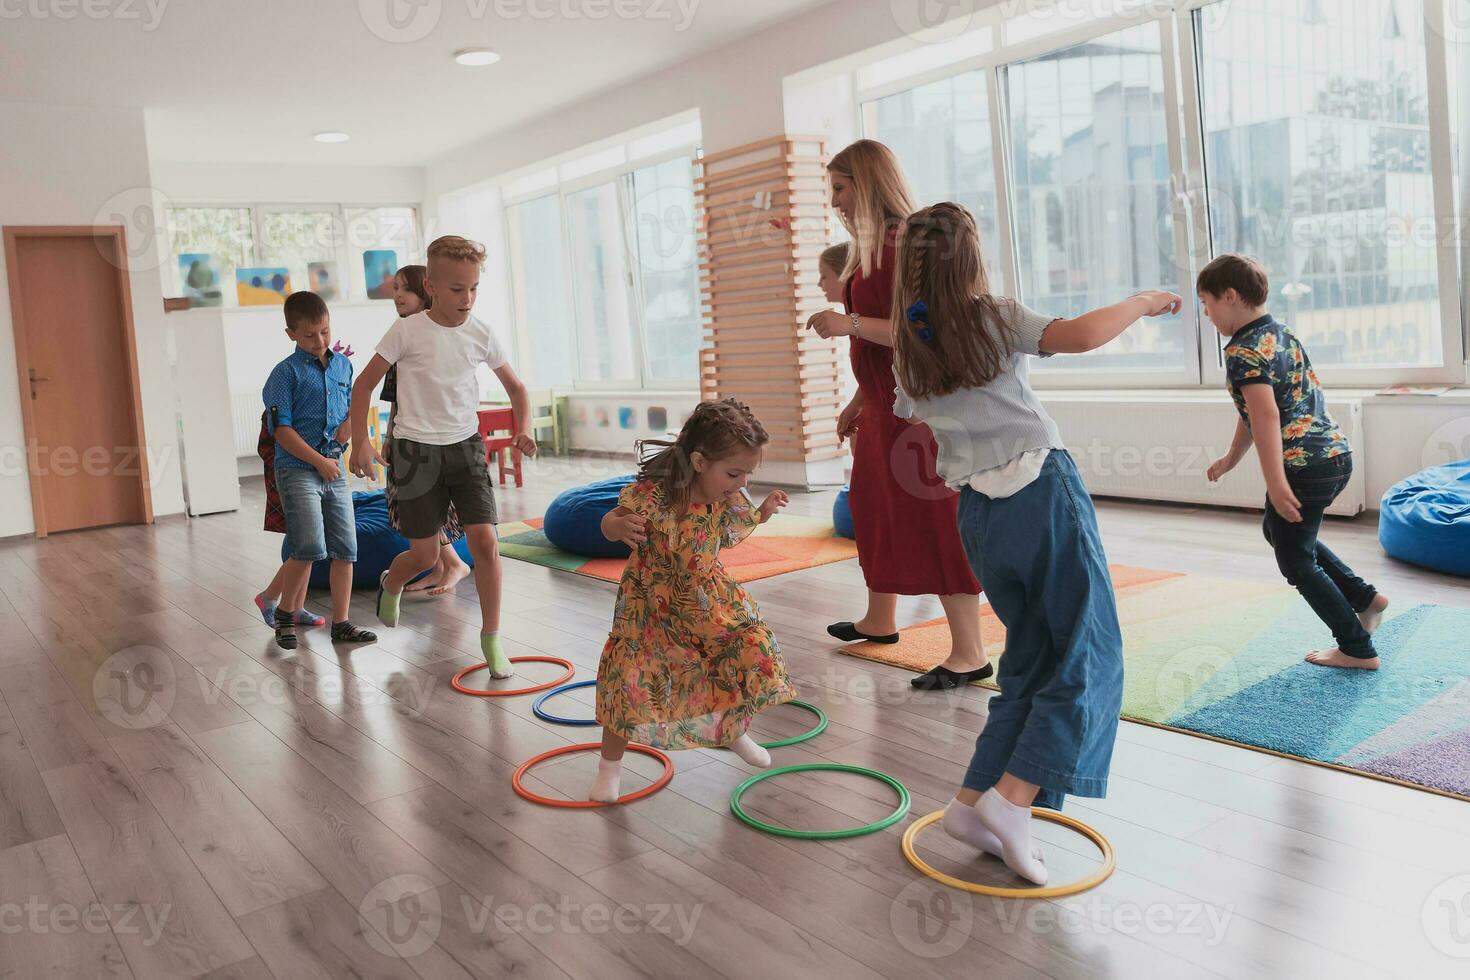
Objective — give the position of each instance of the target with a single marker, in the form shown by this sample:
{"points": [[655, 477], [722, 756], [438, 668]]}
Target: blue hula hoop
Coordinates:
{"points": [[545, 715]]}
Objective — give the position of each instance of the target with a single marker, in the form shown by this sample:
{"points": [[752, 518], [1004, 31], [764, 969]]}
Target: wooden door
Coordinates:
{"points": [[78, 377]]}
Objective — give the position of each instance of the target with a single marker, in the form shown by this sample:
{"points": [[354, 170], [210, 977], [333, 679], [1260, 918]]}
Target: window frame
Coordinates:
{"points": [[621, 176], [1180, 49]]}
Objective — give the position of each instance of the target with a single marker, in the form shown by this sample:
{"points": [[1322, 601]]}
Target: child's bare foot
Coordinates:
{"points": [[429, 581], [1336, 658], [605, 787], [1373, 615], [452, 576]]}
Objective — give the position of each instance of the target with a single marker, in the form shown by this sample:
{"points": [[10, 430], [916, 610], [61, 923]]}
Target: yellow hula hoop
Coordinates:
{"points": [[1050, 891]]}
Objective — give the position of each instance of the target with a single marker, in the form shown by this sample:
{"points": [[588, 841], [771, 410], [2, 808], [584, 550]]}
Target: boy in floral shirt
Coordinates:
{"points": [[1305, 458]]}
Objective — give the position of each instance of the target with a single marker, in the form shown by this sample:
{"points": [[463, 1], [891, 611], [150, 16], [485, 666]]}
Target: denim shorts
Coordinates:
{"points": [[320, 522]]}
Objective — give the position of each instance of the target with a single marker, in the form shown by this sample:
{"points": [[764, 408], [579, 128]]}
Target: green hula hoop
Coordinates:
{"points": [[820, 727], [888, 821]]}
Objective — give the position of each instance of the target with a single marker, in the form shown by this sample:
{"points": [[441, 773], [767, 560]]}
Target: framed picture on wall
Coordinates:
{"points": [[322, 279], [263, 285], [379, 266], [200, 277]]}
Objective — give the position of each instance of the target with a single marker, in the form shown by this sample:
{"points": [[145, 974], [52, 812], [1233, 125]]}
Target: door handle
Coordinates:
{"points": [[34, 379]]}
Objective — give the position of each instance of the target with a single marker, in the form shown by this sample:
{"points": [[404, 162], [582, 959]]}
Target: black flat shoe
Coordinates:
{"points": [[848, 633], [944, 679]]}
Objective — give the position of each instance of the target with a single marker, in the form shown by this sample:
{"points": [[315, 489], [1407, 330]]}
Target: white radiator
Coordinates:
{"points": [[1160, 448], [247, 407]]}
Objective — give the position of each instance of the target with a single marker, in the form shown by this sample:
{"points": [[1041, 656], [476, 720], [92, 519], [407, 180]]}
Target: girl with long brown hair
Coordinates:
{"points": [[1027, 525]]}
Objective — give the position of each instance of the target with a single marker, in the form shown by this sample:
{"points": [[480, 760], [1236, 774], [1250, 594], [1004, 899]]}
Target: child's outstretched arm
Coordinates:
{"points": [[364, 455], [1260, 403], [520, 404], [1239, 446], [1096, 328], [621, 524]]}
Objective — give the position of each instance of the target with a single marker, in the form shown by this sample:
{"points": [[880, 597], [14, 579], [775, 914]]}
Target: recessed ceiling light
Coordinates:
{"points": [[476, 56], [331, 137]]}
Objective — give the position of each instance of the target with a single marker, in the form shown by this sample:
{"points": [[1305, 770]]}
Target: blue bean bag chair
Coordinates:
{"points": [[377, 544], [842, 516], [1425, 519], [574, 520]]}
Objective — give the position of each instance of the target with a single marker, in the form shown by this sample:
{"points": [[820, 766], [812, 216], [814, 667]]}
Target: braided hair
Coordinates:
{"points": [[715, 429], [949, 332]]}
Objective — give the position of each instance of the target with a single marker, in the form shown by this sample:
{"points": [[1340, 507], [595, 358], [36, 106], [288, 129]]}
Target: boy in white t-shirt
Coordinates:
{"points": [[437, 455]]}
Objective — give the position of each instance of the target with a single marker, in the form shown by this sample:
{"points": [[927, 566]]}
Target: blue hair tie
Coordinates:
{"points": [[918, 312]]}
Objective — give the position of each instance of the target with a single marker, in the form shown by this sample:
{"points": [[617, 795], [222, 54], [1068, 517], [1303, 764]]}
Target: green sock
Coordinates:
{"points": [[387, 603], [495, 657]]}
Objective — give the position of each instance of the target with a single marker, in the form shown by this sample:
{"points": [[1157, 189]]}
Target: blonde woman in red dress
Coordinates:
{"points": [[907, 537]]}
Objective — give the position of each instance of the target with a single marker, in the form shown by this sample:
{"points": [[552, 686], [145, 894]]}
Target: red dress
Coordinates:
{"points": [[904, 516]]}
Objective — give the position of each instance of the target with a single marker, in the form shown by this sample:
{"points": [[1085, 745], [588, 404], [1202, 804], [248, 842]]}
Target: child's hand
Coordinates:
{"points": [[847, 422], [1161, 302], [774, 501], [364, 457], [631, 529], [526, 444], [329, 469], [1219, 468], [1285, 502]]}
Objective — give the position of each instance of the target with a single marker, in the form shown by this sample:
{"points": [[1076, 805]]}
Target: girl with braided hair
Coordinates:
{"points": [[689, 661], [1027, 524], [903, 515]]}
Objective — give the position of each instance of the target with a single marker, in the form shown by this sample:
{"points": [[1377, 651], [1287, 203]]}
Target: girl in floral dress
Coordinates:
{"points": [[689, 661]]}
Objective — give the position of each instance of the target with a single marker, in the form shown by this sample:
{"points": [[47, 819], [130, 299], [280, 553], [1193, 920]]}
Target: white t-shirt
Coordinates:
{"points": [[438, 391]]}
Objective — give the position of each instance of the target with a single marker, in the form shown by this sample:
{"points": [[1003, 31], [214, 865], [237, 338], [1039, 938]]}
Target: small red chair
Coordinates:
{"points": [[494, 421]]}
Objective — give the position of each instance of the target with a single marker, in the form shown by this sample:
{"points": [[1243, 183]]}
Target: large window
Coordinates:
{"points": [[1320, 167], [604, 277], [1321, 137], [1091, 189], [601, 286], [663, 216], [543, 308], [940, 132]]}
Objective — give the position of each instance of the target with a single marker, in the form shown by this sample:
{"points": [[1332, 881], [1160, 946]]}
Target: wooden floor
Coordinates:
{"points": [[343, 812]]}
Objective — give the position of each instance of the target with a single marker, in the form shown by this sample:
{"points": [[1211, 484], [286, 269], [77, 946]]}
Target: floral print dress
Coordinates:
{"points": [[689, 662]]}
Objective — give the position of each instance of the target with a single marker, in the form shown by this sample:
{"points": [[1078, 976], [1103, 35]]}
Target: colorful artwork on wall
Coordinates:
{"points": [[200, 276], [379, 266], [658, 418], [322, 279], [627, 419], [600, 413], [263, 286]]}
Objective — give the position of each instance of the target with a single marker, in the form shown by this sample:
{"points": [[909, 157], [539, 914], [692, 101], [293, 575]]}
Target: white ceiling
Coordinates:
{"points": [[250, 81]]}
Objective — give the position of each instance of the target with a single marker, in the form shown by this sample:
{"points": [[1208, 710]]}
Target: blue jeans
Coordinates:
{"points": [[1040, 560], [1333, 590], [320, 521]]}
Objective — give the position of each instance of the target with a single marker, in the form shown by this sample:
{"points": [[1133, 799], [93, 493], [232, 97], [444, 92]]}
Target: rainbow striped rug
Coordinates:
{"points": [[1223, 658]]}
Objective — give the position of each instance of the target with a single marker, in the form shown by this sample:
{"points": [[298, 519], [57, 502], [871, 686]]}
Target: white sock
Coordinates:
{"points": [[605, 786], [1011, 825], [750, 753], [963, 824]]}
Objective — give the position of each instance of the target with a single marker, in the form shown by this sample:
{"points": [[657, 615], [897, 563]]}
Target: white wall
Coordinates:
{"points": [[738, 90], [226, 183], [82, 166]]}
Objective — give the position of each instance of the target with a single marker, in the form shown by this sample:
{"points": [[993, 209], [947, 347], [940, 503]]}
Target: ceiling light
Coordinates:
{"points": [[476, 56], [331, 137]]}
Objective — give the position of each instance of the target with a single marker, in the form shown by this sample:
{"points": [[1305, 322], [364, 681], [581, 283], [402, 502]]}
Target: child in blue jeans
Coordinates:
{"points": [[1027, 524], [307, 398], [1305, 458]]}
